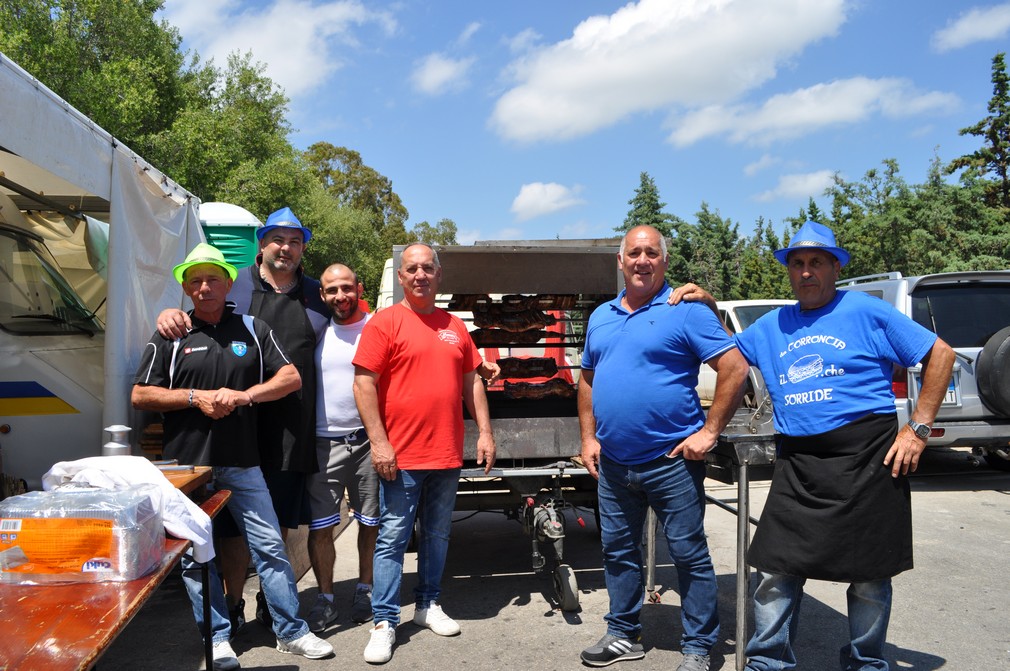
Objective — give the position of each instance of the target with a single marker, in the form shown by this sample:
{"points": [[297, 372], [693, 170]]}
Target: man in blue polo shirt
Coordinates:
{"points": [[644, 437]]}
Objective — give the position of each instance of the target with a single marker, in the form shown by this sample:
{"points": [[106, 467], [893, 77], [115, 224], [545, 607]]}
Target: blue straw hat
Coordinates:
{"points": [[813, 236], [283, 218]]}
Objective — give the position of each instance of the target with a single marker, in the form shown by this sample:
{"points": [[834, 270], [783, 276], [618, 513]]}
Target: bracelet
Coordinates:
{"points": [[191, 397], [251, 400]]}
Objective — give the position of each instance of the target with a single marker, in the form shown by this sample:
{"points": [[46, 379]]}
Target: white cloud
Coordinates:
{"points": [[300, 42], [468, 32], [537, 199], [766, 161], [523, 41], [509, 234], [437, 74], [799, 186], [804, 111], [978, 24], [656, 54]]}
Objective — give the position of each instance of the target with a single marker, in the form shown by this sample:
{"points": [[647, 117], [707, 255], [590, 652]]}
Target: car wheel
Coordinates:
{"points": [[992, 373]]}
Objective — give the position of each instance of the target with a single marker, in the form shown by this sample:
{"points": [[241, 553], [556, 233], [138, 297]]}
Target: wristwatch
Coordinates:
{"points": [[920, 429]]}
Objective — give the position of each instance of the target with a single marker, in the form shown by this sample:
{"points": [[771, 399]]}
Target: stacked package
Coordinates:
{"points": [[81, 534]]}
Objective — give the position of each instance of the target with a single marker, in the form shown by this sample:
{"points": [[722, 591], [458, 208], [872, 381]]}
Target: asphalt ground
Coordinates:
{"points": [[950, 612]]}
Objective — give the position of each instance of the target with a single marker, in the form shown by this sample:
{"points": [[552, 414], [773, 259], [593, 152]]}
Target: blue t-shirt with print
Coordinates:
{"points": [[645, 370], [827, 367]]}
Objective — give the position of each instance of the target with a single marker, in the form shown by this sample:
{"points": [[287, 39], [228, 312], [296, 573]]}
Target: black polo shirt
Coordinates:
{"points": [[211, 356]]}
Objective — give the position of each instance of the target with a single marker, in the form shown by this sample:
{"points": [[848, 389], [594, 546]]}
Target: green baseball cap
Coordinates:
{"points": [[204, 253]]}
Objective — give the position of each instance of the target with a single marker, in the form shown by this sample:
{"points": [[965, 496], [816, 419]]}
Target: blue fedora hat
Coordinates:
{"points": [[283, 218], [813, 236]]}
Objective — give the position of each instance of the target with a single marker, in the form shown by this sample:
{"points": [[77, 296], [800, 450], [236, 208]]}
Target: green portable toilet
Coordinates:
{"points": [[232, 229]]}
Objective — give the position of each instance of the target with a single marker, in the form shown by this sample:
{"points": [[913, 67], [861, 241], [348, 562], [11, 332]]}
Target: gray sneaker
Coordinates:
{"points": [[610, 649], [694, 662], [361, 605], [323, 613]]}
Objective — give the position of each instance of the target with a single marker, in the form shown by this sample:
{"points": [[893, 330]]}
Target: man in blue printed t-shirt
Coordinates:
{"points": [[839, 506], [644, 437]]}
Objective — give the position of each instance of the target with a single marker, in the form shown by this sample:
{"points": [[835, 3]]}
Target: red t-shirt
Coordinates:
{"points": [[421, 360]]}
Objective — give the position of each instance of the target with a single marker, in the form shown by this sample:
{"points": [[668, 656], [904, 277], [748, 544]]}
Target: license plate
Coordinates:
{"points": [[953, 395]]}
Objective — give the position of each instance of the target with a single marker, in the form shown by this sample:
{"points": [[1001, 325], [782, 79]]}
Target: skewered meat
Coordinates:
{"points": [[461, 302], [520, 302], [536, 390], [499, 338], [532, 367], [514, 322]]}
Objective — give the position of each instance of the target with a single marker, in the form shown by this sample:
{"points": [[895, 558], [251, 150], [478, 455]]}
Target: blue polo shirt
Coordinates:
{"points": [[645, 370]]}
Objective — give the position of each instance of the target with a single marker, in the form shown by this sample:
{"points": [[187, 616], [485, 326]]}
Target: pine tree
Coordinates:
{"points": [[993, 157]]}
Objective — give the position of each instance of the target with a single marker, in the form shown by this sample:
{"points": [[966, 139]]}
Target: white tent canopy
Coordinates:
{"points": [[54, 159]]}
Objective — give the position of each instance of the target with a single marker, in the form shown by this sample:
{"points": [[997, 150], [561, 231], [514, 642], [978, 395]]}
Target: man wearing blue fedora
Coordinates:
{"points": [[276, 290], [839, 507]]}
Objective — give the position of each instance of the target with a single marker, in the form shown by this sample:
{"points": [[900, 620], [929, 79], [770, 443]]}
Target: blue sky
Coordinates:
{"points": [[531, 120]]}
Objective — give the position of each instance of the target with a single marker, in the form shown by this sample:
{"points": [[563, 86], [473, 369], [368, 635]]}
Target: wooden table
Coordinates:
{"points": [[70, 625], [189, 481]]}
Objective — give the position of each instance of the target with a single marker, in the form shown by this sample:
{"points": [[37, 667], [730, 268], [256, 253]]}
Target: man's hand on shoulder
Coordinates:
{"points": [[173, 323], [691, 293]]}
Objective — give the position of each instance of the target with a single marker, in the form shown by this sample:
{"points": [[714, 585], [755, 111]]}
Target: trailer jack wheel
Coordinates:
{"points": [[566, 588]]}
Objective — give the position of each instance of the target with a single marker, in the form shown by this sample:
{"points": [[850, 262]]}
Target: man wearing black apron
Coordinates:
{"points": [[839, 507]]}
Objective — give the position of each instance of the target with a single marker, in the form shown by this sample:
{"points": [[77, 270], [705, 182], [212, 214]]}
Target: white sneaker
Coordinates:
{"points": [[380, 643], [309, 646], [433, 618], [224, 657]]}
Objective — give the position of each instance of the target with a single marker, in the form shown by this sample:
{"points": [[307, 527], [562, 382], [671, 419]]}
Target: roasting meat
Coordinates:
{"points": [[520, 302], [514, 322], [465, 302], [537, 390], [513, 302], [532, 367], [499, 338]]}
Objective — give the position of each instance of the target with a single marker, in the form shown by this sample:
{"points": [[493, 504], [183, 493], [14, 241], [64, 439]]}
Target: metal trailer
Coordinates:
{"points": [[537, 476]]}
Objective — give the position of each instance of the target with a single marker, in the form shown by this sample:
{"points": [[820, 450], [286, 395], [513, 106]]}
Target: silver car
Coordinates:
{"points": [[971, 312]]}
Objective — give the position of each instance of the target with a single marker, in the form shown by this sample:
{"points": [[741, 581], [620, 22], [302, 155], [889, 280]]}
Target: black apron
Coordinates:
{"points": [[833, 511]]}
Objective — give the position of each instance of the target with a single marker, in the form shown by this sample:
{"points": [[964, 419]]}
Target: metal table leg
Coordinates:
{"points": [[742, 570], [650, 557], [208, 644]]}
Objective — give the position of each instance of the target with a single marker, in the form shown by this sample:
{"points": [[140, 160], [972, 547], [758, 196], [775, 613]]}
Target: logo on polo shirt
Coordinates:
{"points": [[449, 336], [190, 350], [239, 348]]}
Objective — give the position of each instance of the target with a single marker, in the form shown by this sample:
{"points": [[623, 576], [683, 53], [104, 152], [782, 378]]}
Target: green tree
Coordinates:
{"points": [[647, 209], [236, 120], [110, 59], [761, 275], [442, 233], [993, 157], [350, 182], [710, 251]]}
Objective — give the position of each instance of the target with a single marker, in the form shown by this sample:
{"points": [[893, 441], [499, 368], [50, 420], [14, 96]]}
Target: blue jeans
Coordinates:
{"points": [[254, 514], [776, 621], [673, 489], [398, 506]]}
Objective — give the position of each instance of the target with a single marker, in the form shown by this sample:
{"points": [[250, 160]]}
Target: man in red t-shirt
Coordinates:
{"points": [[414, 364]]}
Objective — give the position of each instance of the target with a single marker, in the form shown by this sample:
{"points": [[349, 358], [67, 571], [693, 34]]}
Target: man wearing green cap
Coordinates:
{"points": [[204, 384], [275, 290]]}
